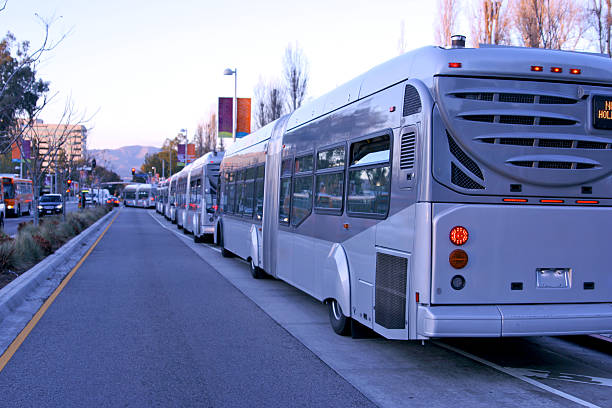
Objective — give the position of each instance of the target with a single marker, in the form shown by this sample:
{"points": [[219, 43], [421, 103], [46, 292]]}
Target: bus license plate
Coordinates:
{"points": [[553, 277]]}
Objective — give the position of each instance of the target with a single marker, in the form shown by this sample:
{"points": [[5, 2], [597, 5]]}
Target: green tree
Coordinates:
{"points": [[168, 153]]}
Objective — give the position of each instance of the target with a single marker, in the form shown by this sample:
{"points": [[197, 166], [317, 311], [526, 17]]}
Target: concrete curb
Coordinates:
{"points": [[16, 292]]}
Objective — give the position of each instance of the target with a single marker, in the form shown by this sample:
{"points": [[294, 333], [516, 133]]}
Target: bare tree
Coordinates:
{"points": [[295, 74], [269, 106], [600, 20], [198, 139], [552, 24], [448, 11], [491, 24], [49, 145], [205, 137]]}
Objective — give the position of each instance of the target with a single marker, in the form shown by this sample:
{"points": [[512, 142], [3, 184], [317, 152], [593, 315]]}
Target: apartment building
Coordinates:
{"points": [[70, 139]]}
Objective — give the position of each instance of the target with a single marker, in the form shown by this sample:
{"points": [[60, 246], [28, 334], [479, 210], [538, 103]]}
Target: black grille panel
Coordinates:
{"points": [[591, 145], [476, 96], [546, 164], [391, 278], [554, 165], [407, 151], [516, 141], [480, 118], [522, 163], [459, 178], [463, 158], [412, 101], [556, 143], [516, 98], [556, 100], [556, 122], [516, 119]]}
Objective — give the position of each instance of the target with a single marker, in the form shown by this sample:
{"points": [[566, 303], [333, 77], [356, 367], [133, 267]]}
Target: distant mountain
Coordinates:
{"points": [[122, 160]]}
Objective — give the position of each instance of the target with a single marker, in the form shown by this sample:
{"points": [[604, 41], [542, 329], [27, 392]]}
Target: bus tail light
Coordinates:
{"points": [[537, 68], [575, 71], [458, 258], [459, 235], [454, 65], [556, 70], [587, 202]]}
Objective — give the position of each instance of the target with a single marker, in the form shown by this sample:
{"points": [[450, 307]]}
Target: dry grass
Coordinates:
{"points": [[32, 244]]}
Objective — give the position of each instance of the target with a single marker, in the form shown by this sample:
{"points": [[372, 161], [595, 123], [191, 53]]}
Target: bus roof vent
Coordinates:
{"points": [[412, 101], [407, 151]]}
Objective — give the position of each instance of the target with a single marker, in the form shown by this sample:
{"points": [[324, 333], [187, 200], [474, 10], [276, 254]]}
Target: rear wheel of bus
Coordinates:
{"points": [[339, 322]]}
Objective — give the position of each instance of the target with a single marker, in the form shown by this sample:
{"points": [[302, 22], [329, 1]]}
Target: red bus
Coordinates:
{"points": [[18, 195]]}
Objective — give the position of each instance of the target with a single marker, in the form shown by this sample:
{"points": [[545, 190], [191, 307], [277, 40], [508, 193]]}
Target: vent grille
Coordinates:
{"points": [[459, 178], [521, 120], [476, 96], [463, 158], [412, 101], [552, 143], [516, 98], [390, 304], [407, 151], [544, 164]]}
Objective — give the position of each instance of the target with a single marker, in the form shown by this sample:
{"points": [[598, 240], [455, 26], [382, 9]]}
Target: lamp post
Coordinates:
{"points": [[234, 72]]}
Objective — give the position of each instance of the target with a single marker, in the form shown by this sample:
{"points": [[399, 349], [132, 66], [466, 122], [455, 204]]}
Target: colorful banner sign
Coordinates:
{"points": [[191, 154], [226, 123], [25, 149], [180, 153], [243, 124]]}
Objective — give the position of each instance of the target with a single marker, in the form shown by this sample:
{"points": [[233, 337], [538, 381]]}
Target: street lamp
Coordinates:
{"points": [[234, 72]]}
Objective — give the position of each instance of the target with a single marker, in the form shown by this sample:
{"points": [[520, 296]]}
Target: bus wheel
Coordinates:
{"points": [[339, 322], [225, 253], [196, 239], [256, 271]]}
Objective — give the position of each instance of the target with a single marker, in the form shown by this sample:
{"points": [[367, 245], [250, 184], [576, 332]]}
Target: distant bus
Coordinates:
{"points": [[129, 195], [146, 196], [18, 195]]}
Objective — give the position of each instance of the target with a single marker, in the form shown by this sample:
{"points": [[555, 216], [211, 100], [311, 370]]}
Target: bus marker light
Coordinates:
{"points": [[458, 282], [556, 70], [552, 201], [454, 65], [537, 68], [515, 200], [416, 295], [459, 235], [458, 258], [346, 226], [587, 202], [392, 109], [575, 71]]}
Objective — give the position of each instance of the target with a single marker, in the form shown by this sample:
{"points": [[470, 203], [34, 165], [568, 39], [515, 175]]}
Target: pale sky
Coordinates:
{"points": [[151, 67]]}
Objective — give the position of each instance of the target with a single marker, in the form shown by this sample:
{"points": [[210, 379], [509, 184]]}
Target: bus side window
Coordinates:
{"points": [[259, 191], [284, 204], [369, 177], [329, 180], [301, 199]]}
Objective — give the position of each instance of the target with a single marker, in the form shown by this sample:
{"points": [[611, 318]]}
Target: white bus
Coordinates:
{"points": [[446, 193], [201, 196], [146, 196], [130, 195]]}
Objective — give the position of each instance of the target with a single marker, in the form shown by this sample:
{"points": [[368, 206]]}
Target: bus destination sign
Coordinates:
{"points": [[602, 112]]}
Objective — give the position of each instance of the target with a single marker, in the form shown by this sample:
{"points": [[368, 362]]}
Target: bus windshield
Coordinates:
{"points": [[9, 191]]}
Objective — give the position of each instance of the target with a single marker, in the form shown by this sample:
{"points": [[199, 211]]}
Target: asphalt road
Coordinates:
{"points": [[145, 322], [11, 224]]}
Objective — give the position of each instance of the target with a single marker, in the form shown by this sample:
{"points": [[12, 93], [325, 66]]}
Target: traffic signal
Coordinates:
{"points": [[93, 164], [69, 182], [133, 171]]}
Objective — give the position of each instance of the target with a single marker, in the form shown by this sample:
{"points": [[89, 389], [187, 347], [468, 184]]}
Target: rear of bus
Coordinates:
{"points": [[521, 195]]}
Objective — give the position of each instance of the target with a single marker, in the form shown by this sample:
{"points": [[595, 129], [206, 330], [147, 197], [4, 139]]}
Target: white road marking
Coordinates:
{"points": [[551, 375], [518, 373]]}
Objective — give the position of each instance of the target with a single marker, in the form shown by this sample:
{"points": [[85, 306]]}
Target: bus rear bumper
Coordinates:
{"points": [[514, 320]]}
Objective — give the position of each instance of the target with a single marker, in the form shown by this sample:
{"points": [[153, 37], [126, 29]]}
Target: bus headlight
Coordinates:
{"points": [[58, 206], [10, 207], [40, 207]]}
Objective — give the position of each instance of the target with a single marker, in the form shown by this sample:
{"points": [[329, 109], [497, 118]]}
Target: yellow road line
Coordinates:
{"points": [[12, 349]]}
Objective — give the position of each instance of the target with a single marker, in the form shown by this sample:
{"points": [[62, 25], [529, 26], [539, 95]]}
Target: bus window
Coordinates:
{"points": [[369, 178], [283, 208], [301, 205], [330, 158], [259, 192], [9, 191], [329, 191]]}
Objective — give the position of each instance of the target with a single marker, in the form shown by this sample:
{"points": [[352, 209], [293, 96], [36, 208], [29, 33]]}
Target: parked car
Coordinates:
{"points": [[112, 200], [50, 204]]}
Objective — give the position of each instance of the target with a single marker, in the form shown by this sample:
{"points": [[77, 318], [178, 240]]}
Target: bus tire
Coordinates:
{"points": [[339, 322], [225, 253], [196, 239], [256, 271]]}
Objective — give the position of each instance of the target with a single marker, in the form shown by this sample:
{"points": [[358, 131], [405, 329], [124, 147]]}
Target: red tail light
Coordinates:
{"points": [[556, 70], [454, 65], [537, 68], [459, 235], [215, 207]]}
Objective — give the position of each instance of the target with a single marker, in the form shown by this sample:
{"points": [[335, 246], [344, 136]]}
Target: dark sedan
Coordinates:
{"points": [[50, 204]]}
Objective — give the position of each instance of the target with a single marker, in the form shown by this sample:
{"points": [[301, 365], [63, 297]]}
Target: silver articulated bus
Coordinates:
{"points": [[170, 210], [146, 196], [201, 196], [161, 198], [130, 194], [182, 182], [446, 193]]}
